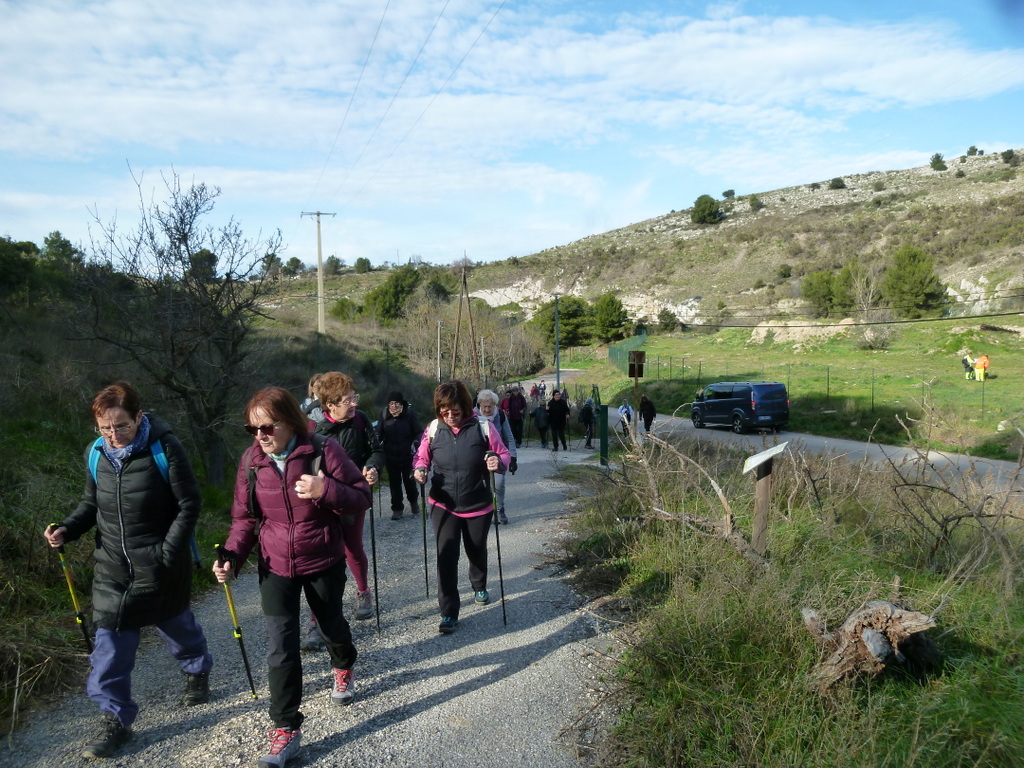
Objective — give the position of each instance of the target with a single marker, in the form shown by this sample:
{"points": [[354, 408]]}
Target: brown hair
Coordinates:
{"points": [[120, 394], [311, 389], [333, 386], [453, 394], [282, 406]]}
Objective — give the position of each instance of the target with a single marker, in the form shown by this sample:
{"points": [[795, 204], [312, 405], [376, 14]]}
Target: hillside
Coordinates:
{"points": [[971, 224]]}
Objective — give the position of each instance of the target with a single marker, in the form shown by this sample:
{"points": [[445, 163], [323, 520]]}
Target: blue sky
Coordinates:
{"points": [[437, 128]]}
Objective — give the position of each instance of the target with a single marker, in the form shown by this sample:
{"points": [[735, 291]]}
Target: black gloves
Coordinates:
{"points": [[513, 465]]}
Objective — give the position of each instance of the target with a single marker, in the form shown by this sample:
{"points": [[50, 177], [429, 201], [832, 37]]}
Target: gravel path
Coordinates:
{"points": [[488, 695]]}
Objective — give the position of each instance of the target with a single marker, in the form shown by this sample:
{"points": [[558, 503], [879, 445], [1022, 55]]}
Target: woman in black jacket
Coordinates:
{"points": [[399, 430], [144, 516]]}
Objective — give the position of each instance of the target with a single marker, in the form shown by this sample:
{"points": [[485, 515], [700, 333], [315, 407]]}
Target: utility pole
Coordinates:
{"points": [[321, 319], [558, 367]]}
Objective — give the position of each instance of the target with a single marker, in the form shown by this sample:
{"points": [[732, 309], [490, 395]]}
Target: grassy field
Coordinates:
{"points": [[838, 390]]}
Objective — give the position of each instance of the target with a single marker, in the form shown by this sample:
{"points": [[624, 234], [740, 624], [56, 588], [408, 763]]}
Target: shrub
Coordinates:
{"points": [[1010, 158], [814, 186], [972, 150], [729, 194], [785, 271], [706, 210], [756, 203], [837, 183], [937, 163], [878, 185], [959, 173]]}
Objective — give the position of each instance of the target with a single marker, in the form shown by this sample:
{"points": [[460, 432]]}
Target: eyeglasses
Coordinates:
{"points": [[120, 429], [450, 411], [266, 429], [350, 400]]}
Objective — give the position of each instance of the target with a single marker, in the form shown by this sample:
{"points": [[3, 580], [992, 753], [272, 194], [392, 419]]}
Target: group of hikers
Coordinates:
{"points": [[975, 367], [301, 493]]}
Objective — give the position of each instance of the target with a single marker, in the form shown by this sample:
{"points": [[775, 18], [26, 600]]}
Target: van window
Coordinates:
{"points": [[723, 393], [775, 393]]}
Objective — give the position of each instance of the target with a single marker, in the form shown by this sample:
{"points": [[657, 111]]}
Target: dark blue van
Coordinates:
{"points": [[742, 405]]}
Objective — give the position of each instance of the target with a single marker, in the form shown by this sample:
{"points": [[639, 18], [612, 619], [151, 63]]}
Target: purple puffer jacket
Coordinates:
{"points": [[297, 537]]}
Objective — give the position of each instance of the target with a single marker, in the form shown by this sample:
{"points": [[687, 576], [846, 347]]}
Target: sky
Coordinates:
{"points": [[438, 129]]}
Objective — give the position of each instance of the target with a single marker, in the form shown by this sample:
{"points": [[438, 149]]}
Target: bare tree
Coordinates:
{"points": [[181, 298]]}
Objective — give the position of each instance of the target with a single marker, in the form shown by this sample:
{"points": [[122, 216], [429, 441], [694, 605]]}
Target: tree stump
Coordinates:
{"points": [[874, 638]]}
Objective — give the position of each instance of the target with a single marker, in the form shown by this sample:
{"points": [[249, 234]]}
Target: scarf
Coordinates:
{"points": [[118, 456]]}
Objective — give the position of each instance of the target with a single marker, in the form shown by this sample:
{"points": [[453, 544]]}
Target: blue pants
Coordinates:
{"points": [[113, 659]]}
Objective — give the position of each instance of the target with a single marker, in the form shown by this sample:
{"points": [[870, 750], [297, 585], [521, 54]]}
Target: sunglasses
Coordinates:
{"points": [[266, 429]]}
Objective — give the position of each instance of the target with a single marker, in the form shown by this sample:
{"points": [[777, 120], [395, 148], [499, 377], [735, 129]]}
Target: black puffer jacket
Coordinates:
{"points": [[400, 435], [357, 437], [143, 528]]}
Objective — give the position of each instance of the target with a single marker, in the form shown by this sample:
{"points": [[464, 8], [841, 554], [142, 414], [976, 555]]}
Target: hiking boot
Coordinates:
{"points": [[197, 689], [396, 514], [447, 625], [501, 517], [364, 606], [284, 745], [344, 690], [482, 597], [109, 739], [313, 641]]}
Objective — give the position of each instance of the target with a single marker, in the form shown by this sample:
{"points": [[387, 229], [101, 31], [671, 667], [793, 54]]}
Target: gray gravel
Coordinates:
{"points": [[488, 695]]}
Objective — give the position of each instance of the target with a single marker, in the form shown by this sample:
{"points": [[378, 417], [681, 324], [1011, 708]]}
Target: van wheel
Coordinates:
{"points": [[698, 422], [737, 425]]}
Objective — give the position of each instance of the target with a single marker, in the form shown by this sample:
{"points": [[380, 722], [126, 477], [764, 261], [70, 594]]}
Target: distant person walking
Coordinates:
{"points": [[144, 522], [541, 422], [647, 412], [558, 414], [625, 417], [588, 418], [517, 414], [501, 424]]}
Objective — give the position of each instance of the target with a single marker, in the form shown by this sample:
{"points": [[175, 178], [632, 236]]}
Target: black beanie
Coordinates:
{"points": [[396, 397]]}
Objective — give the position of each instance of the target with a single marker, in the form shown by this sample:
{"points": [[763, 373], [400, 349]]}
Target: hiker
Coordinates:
{"points": [[588, 418], [295, 514], [542, 391], [541, 422], [534, 396], [968, 364], [981, 367], [460, 496], [558, 415], [501, 424], [625, 417], [144, 521], [398, 431], [311, 405], [352, 429], [516, 411], [647, 412]]}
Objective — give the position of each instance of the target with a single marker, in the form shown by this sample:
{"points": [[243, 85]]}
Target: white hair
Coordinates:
{"points": [[487, 394]]}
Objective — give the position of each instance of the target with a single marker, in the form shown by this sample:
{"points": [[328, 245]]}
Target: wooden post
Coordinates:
{"points": [[762, 506]]}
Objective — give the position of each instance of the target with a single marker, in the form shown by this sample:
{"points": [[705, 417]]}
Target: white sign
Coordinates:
{"points": [[760, 458]]}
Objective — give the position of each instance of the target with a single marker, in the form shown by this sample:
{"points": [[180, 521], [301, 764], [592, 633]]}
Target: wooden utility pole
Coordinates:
{"points": [[320, 299]]}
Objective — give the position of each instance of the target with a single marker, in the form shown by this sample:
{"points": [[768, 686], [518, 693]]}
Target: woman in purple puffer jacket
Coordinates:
{"points": [[303, 487]]}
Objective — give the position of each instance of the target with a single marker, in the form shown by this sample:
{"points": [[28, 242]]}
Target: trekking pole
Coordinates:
{"points": [[79, 614], [195, 553], [497, 541], [423, 514], [373, 556], [235, 626]]}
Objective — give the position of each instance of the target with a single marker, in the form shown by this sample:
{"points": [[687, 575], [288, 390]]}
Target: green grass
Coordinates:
{"points": [[719, 662], [838, 390]]}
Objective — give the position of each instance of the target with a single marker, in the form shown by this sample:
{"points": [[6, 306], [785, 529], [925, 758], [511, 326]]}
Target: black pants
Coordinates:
{"points": [[558, 435], [280, 598], [517, 430], [400, 478], [589, 427], [454, 533]]}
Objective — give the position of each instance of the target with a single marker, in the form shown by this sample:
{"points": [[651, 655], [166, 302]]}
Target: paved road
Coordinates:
{"points": [[488, 695]]}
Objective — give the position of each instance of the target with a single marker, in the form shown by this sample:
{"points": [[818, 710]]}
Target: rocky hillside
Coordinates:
{"points": [[968, 217]]}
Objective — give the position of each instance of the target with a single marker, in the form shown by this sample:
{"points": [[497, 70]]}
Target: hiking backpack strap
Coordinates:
{"points": [[159, 458], [485, 427]]}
